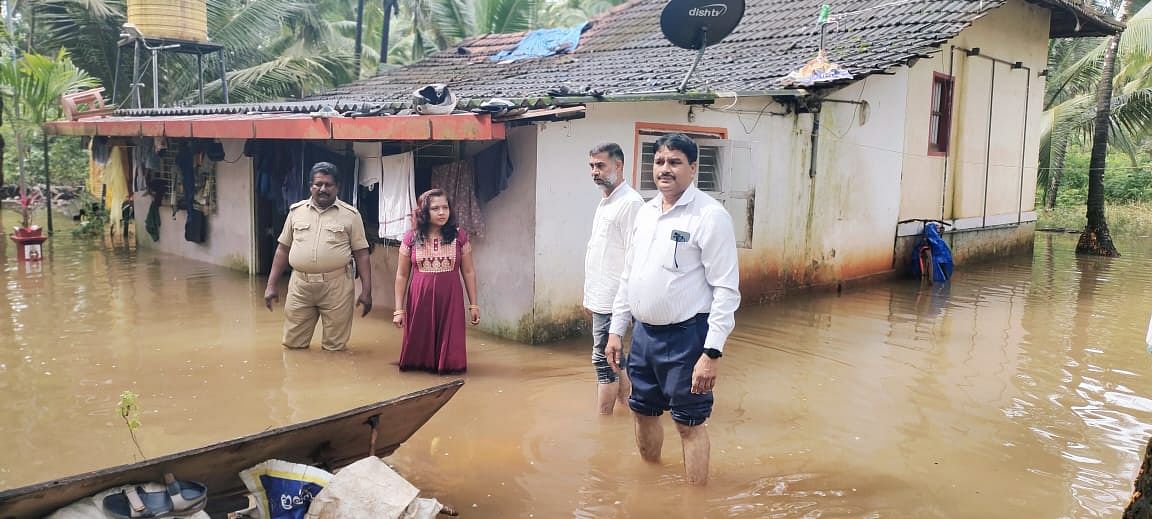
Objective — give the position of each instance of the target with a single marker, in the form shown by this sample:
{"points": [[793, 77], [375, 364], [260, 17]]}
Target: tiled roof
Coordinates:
{"points": [[624, 54], [624, 51]]}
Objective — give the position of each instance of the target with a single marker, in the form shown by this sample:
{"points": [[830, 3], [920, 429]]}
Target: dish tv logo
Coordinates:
{"points": [[709, 11]]}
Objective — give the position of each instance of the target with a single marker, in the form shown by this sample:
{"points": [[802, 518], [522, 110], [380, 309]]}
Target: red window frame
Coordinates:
{"points": [[940, 114]]}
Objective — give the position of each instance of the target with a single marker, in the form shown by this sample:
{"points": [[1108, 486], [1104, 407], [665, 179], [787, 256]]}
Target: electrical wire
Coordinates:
{"points": [[855, 109]]}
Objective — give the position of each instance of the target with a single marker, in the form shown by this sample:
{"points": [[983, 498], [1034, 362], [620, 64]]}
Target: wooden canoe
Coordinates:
{"points": [[330, 442]]}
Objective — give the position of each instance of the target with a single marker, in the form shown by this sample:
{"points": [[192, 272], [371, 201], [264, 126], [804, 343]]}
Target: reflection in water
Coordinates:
{"points": [[1017, 390]]}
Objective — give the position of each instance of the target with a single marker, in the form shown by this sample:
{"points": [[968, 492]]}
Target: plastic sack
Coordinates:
{"points": [[370, 488], [284, 490]]}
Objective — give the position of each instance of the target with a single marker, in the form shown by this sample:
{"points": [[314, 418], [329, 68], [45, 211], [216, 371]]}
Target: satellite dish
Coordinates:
{"points": [[696, 24]]}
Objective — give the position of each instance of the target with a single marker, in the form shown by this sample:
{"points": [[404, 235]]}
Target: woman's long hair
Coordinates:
{"points": [[424, 218]]}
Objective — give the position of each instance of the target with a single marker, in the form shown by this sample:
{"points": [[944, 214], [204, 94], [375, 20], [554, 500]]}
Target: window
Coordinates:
{"points": [[723, 171], [706, 172], [940, 118], [169, 179]]}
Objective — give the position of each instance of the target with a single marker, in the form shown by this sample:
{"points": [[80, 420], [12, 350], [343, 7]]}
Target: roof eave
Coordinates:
{"points": [[672, 95], [1071, 20]]}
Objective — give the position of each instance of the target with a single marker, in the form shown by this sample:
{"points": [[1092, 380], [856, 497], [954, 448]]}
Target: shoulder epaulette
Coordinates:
{"points": [[298, 204], [347, 206]]}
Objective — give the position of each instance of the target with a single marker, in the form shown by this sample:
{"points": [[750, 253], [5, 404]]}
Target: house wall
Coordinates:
{"points": [[229, 240], [505, 257], [837, 224], [989, 177]]}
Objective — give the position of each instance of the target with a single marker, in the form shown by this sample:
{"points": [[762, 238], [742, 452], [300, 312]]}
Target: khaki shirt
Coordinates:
{"points": [[322, 240]]}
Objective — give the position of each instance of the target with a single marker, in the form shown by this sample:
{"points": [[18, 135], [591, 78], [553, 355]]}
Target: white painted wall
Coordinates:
{"points": [[807, 230], [985, 159], [229, 240], [505, 256]]}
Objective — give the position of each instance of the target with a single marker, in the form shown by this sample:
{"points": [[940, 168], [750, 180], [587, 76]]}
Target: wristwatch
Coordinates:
{"points": [[713, 353]]}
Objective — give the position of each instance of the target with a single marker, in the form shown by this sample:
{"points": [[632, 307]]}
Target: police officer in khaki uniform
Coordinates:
{"points": [[320, 235]]}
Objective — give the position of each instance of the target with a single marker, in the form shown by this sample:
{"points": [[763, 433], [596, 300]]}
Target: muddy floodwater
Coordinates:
{"points": [[1020, 389]]}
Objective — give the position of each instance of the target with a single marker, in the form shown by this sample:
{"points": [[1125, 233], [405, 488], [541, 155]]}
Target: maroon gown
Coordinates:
{"points": [[434, 324]]}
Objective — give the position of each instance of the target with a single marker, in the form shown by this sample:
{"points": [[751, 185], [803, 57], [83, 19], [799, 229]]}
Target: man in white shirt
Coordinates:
{"points": [[611, 234], [681, 285]]}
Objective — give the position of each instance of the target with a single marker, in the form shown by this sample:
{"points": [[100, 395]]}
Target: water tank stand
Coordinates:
{"points": [[155, 46]]}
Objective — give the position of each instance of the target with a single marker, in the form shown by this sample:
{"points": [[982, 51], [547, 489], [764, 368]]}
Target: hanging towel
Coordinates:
{"points": [[397, 194]]}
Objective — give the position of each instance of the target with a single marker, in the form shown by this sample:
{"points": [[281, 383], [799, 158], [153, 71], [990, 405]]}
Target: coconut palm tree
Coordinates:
{"points": [[31, 86], [1071, 95], [1096, 238]]}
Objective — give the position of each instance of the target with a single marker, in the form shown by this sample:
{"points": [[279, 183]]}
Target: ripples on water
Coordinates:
{"points": [[1017, 390]]}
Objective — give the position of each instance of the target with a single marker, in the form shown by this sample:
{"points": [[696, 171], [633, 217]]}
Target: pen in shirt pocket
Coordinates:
{"points": [[678, 237]]}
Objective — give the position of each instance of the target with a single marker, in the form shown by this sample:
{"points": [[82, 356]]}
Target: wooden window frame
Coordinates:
{"points": [[940, 114]]}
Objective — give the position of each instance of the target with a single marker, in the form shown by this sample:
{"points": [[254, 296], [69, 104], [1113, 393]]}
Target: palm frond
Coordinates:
{"points": [[505, 16], [454, 19]]}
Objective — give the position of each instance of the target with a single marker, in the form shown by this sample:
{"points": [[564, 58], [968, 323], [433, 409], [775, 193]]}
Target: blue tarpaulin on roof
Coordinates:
{"points": [[543, 42]]}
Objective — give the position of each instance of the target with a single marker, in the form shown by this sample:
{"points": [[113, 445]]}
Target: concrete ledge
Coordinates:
{"points": [[970, 246]]}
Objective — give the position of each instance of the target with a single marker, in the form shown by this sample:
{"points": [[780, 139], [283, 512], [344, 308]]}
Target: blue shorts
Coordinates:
{"points": [[660, 365]]}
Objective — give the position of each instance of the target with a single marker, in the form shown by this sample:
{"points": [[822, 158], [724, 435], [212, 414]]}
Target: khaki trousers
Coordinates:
{"points": [[329, 296]]}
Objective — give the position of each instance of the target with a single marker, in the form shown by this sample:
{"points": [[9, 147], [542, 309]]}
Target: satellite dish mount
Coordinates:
{"points": [[696, 24]]}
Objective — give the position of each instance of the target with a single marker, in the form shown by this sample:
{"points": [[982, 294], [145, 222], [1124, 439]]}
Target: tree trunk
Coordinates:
{"points": [[1056, 170], [47, 182], [358, 46], [1140, 505], [1096, 239], [25, 217], [1, 166], [389, 6]]}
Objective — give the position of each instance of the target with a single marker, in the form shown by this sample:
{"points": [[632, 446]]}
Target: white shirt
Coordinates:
{"points": [[666, 281], [611, 236]]}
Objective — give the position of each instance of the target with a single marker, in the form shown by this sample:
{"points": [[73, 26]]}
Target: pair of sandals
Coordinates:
{"points": [[179, 498]]}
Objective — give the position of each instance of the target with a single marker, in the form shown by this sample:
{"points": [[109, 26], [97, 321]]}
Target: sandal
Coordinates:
{"points": [[180, 498], [188, 497]]}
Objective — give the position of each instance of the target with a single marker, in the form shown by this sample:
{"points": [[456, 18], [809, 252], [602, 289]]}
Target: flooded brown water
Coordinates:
{"points": [[1021, 389]]}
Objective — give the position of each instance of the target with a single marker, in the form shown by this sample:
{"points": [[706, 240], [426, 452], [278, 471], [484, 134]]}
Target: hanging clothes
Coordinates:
{"points": [[368, 168], [186, 162], [95, 171], [397, 195], [493, 169], [458, 181], [116, 181]]}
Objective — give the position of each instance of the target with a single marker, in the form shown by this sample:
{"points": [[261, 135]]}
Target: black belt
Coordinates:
{"points": [[690, 320]]}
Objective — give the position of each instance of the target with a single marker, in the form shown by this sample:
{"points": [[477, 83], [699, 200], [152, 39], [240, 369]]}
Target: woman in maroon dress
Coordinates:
{"points": [[433, 256]]}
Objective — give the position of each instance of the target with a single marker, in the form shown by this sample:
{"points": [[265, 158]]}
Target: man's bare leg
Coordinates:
{"points": [[649, 437], [625, 389], [696, 452], [606, 396]]}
